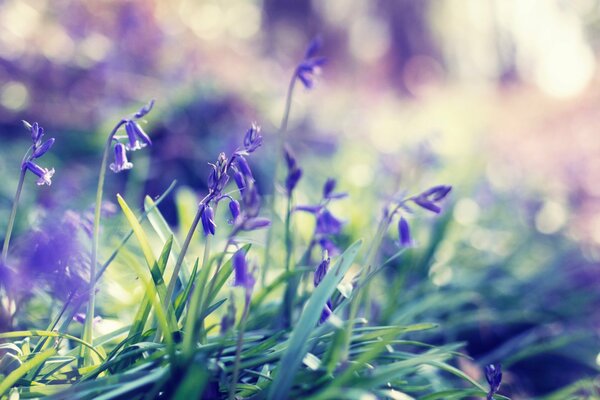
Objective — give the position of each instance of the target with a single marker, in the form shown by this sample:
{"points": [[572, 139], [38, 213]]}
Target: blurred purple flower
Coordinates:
{"points": [[328, 189], [327, 224], [428, 199], [121, 163], [255, 223], [144, 110], [321, 271], [42, 149], [252, 140], [234, 208], [404, 233], [243, 277], [311, 65]]}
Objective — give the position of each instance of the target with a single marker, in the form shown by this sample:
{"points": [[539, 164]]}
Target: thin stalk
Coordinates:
{"points": [[282, 137], [89, 319], [291, 288], [13, 214], [184, 249], [238, 352]]}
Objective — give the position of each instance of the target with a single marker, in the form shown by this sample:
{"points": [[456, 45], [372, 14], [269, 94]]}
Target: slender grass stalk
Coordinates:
{"points": [[282, 135], [88, 327], [238, 352], [13, 214]]}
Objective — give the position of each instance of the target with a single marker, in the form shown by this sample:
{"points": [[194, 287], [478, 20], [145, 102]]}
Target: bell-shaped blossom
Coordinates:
{"points": [[121, 163]]}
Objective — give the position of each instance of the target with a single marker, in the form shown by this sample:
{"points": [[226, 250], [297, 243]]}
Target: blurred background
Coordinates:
{"points": [[498, 98]]}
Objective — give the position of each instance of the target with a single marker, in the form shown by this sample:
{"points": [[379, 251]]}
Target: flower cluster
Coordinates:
{"points": [[428, 200], [327, 224], [136, 138], [245, 215], [310, 66], [37, 149]]}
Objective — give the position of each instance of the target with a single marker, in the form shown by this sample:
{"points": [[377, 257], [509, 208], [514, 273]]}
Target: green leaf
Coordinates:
{"points": [[298, 347]]}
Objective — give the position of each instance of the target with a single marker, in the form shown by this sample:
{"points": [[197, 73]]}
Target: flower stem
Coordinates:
{"points": [[13, 214], [282, 138], [292, 285], [238, 352], [89, 319]]}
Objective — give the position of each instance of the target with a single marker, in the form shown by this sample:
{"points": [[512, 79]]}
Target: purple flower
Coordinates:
{"points": [[208, 221], [328, 245], [328, 189], [321, 271], [44, 174], [36, 132], [144, 110], [428, 199], [404, 233], [327, 224], [326, 312], [136, 135], [42, 149], [493, 374], [292, 180], [243, 277], [234, 208], [238, 177], [121, 163], [244, 167], [252, 140], [311, 65], [312, 209]]}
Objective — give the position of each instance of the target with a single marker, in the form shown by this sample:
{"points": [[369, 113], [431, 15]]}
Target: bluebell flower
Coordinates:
{"points": [[243, 277], [244, 167], [144, 110], [311, 65], [292, 180], [312, 209], [328, 245], [36, 132], [208, 221], [234, 208], [238, 177], [252, 139], [136, 136], [121, 163], [428, 199], [328, 190], [42, 149], [404, 233], [327, 223], [493, 375], [44, 174], [321, 271]]}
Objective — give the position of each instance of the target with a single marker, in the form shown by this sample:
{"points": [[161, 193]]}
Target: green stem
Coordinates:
{"points": [[89, 319], [282, 137], [292, 285], [182, 253], [13, 214], [238, 352]]}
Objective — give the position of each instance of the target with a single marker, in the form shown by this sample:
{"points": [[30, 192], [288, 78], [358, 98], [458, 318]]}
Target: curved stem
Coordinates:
{"points": [[89, 319], [282, 138], [13, 214], [288, 301]]}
